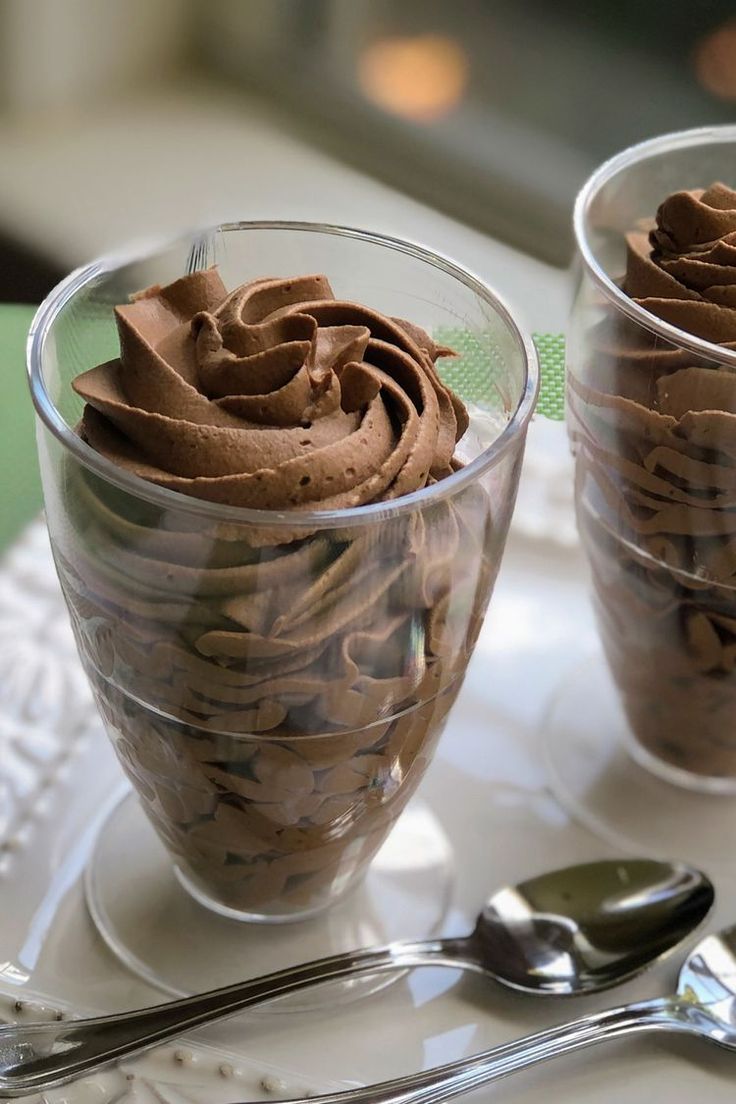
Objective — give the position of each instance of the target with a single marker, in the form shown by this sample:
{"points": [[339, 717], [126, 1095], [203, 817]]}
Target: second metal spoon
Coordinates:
{"points": [[576, 930]]}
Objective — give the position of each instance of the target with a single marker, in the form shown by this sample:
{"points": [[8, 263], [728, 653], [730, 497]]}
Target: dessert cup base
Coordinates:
{"points": [[159, 931], [618, 790], [244, 917]]}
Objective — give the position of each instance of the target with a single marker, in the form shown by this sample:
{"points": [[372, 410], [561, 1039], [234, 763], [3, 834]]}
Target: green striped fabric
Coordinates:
{"points": [[480, 370], [551, 349]]}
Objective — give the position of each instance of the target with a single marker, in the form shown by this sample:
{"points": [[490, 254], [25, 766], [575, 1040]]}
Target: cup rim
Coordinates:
{"points": [[697, 136], [49, 414]]}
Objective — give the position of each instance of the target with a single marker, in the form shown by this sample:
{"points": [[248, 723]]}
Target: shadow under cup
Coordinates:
{"points": [[652, 421], [275, 684]]}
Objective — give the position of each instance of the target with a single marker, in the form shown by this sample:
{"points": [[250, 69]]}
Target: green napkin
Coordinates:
{"points": [[479, 371], [20, 486], [551, 349]]}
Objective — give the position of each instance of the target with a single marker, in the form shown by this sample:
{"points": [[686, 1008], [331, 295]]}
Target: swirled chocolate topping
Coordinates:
{"points": [[684, 269], [274, 396], [661, 426]]}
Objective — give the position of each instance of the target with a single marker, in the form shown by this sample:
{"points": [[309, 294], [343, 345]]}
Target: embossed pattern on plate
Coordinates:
{"points": [[175, 1074]]}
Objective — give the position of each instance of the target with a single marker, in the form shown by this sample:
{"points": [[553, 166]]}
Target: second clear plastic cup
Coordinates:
{"points": [[654, 447]]}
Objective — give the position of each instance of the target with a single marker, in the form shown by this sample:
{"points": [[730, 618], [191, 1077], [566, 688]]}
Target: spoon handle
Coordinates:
{"points": [[445, 1082], [39, 1056]]}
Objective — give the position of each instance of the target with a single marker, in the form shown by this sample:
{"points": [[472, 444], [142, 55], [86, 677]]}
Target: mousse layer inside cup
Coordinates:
{"points": [[273, 692], [654, 428]]}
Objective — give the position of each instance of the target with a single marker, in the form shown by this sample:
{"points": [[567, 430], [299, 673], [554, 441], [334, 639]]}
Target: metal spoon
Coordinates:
{"points": [[580, 929], [704, 1007]]}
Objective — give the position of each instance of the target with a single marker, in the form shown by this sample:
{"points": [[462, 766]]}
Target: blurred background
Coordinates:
{"points": [[122, 118]]}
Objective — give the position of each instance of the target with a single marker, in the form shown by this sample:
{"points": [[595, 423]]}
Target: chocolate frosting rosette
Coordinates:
{"points": [[654, 429], [274, 692]]}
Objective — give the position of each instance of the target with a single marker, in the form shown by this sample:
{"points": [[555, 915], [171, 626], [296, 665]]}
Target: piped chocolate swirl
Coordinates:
{"points": [[277, 396]]}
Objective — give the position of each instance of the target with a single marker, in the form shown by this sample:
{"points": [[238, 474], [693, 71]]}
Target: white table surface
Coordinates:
{"points": [[75, 185]]}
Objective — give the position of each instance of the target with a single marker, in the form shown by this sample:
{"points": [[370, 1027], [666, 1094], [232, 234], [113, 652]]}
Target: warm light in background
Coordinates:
{"points": [[421, 78], [715, 61]]}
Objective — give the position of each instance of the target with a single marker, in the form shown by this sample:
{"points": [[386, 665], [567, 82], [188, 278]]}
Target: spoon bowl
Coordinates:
{"points": [[576, 930], [589, 927], [706, 988]]}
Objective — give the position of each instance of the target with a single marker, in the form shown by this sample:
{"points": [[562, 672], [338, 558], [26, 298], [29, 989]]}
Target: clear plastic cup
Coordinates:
{"points": [[654, 435], [275, 683]]}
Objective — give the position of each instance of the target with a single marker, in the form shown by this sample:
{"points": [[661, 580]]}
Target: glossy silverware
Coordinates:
{"points": [[580, 929], [704, 1007]]}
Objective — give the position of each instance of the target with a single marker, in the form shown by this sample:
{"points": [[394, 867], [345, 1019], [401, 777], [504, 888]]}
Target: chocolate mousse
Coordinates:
{"points": [[273, 691], [654, 429]]}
